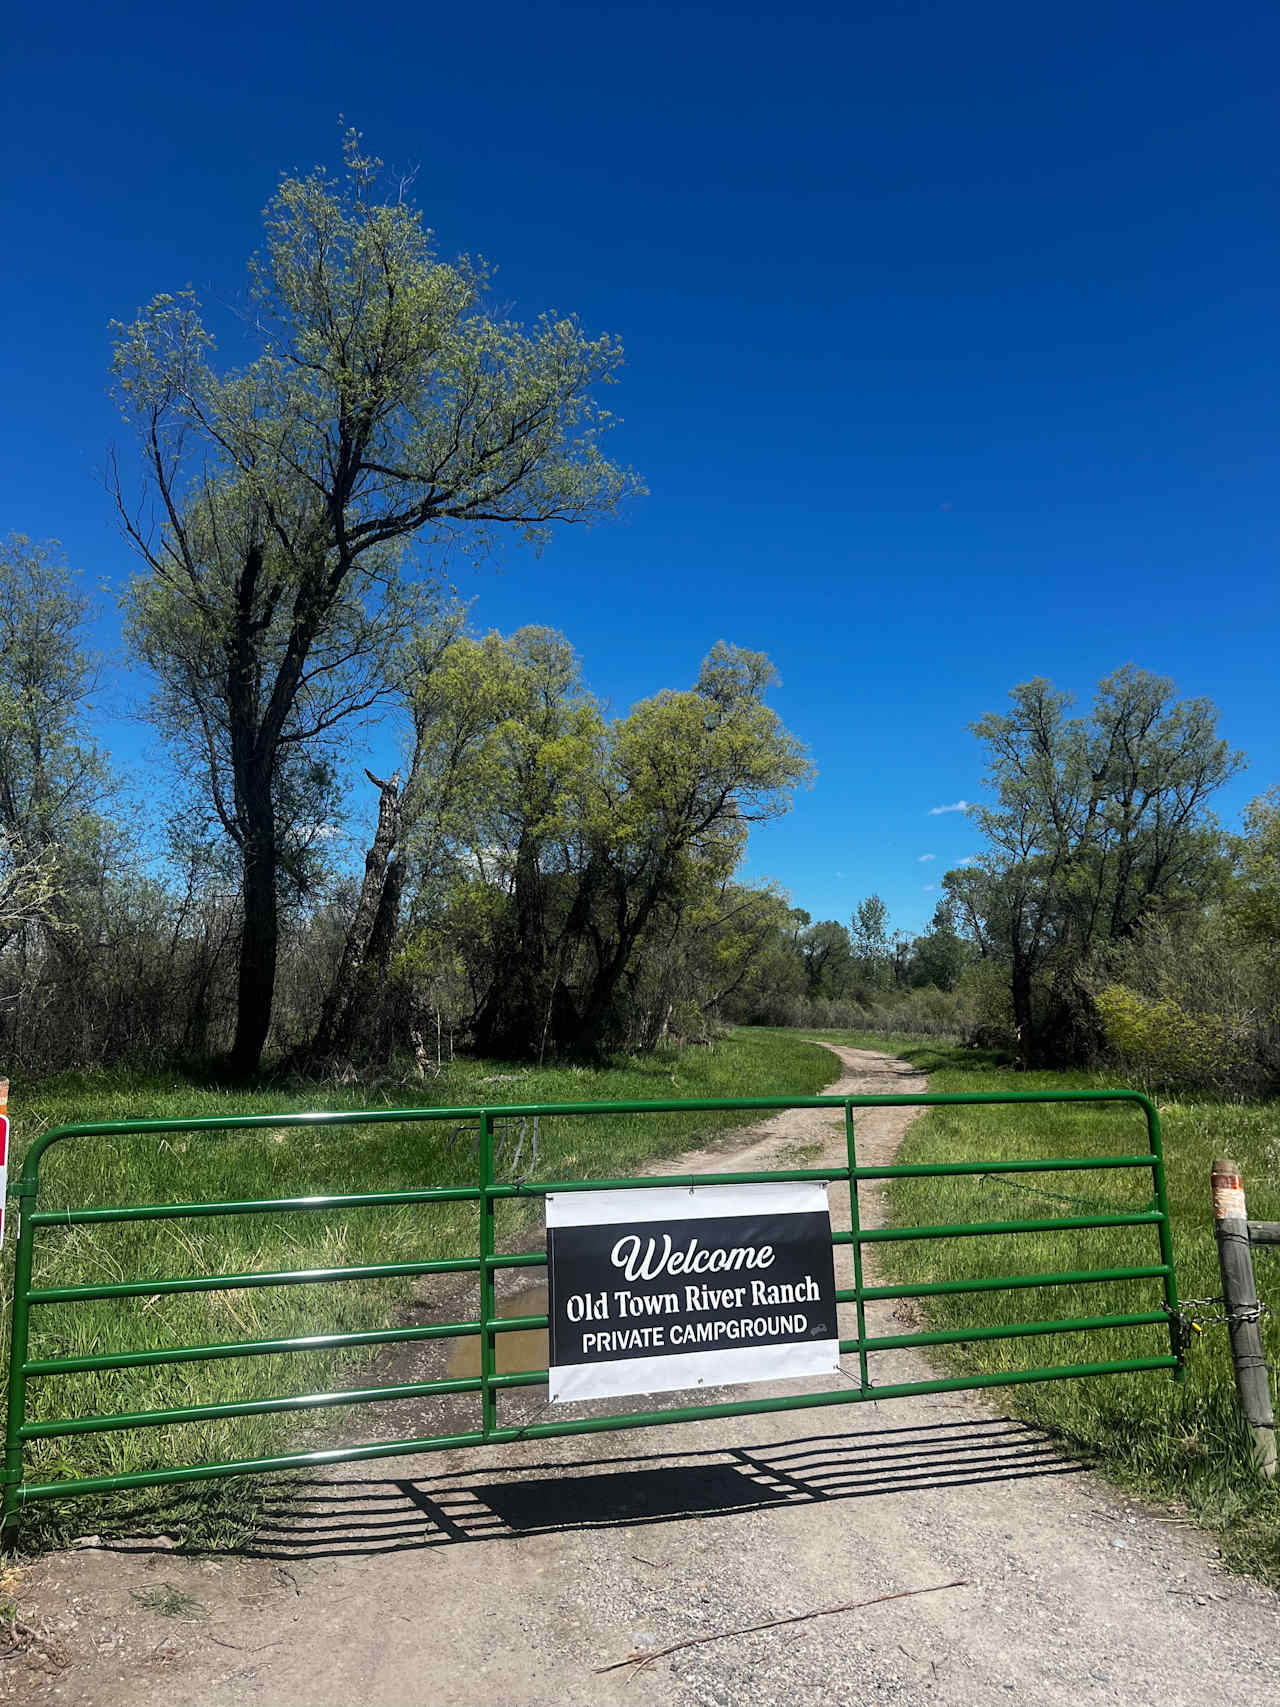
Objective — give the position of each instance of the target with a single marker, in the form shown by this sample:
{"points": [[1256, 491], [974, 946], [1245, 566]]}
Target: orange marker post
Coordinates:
{"points": [[1240, 1301]]}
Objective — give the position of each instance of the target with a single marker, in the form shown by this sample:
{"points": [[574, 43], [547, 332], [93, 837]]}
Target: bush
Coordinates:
{"points": [[1161, 1043], [1195, 1002]]}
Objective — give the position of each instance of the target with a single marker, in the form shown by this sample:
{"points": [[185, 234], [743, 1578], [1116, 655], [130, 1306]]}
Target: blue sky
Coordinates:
{"points": [[951, 335]]}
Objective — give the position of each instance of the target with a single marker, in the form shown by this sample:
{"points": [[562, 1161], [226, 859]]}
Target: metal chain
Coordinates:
{"points": [[1245, 1313], [1191, 1319]]}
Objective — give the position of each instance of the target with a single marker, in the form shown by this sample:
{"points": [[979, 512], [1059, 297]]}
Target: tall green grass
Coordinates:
{"points": [[281, 1162], [1182, 1442]]}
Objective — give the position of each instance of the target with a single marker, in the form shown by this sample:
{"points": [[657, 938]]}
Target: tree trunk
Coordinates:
{"points": [[341, 1010], [386, 920], [1023, 1017], [598, 1009], [387, 1033], [513, 1016], [259, 940]]}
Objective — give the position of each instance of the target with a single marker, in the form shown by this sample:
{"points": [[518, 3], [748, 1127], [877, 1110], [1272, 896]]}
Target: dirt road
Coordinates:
{"points": [[508, 1575]]}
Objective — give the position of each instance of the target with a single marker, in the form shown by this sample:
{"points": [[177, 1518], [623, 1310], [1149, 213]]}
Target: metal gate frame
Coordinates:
{"points": [[488, 1261]]}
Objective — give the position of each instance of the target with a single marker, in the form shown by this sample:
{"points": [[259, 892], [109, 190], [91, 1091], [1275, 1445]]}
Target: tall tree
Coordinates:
{"points": [[54, 783], [58, 838], [518, 735], [940, 953], [873, 950], [685, 776], [1255, 895], [582, 844], [1094, 824], [387, 403], [51, 776], [827, 957]]}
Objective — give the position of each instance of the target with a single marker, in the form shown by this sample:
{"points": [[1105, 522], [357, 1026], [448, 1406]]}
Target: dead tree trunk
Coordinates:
{"points": [[341, 1011]]}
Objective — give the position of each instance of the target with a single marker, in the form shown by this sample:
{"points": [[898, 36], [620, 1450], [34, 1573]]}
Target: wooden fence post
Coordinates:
{"points": [[1240, 1302]]}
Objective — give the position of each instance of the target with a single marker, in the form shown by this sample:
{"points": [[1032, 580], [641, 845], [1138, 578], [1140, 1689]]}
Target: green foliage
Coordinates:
{"points": [[509, 736], [924, 1012], [1255, 895], [64, 860], [585, 865], [719, 958], [823, 975], [52, 780], [873, 951], [827, 956], [1160, 1043], [1193, 1002], [985, 985], [384, 384], [941, 954]]}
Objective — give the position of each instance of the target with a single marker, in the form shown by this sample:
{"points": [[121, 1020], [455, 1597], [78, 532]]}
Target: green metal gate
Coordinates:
{"points": [[490, 1384]]}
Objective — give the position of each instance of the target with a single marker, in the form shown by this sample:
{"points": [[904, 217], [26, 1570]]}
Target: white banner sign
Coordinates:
{"points": [[666, 1287]]}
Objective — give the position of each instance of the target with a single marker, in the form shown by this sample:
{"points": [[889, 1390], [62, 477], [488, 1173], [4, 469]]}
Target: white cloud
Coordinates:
{"points": [[958, 806], [929, 888], [924, 858], [969, 859]]}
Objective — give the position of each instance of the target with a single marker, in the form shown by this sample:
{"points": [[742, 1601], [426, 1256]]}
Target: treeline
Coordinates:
{"points": [[544, 880], [863, 975], [1108, 918]]}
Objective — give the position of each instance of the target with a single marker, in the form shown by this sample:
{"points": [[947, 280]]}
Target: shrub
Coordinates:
{"points": [[1162, 1043], [1208, 1003]]}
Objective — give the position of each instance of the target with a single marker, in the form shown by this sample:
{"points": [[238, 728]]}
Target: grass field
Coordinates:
{"points": [[287, 1162], [1178, 1442]]}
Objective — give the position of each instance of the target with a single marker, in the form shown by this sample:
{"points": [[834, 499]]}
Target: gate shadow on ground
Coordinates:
{"points": [[335, 1517]]}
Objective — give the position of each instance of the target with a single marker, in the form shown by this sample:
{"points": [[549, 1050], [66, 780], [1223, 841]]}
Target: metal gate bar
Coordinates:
{"points": [[486, 1264]]}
